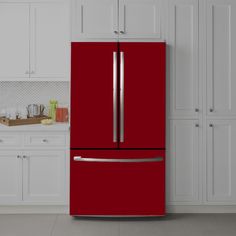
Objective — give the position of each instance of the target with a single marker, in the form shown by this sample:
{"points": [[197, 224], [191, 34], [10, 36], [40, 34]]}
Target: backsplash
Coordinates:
{"points": [[13, 94]]}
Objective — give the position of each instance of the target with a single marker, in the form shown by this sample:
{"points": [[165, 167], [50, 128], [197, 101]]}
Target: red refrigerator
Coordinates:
{"points": [[117, 163]]}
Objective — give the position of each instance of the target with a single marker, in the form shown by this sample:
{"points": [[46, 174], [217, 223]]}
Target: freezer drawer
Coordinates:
{"points": [[117, 183]]}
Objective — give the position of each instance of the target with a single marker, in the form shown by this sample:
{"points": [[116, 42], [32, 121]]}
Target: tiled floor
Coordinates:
{"points": [[64, 225]]}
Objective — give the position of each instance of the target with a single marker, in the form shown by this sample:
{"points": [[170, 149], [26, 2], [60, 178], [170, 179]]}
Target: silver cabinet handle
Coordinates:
{"points": [[196, 110], [114, 97], [197, 125], [211, 125], [130, 160], [122, 81], [115, 31], [211, 109], [122, 32]]}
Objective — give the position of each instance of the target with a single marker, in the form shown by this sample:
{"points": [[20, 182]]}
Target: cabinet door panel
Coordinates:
{"points": [[144, 95], [49, 49], [221, 56], [139, 19], [183, 48], [95, 19], [221, 162], [44, 176], [14, 41], [184, 161], [92, 95], [10, 177]]}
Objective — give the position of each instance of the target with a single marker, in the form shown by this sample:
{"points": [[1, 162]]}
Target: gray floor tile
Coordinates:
{"points": [[26, 225], [181, 225], [71, 226]]}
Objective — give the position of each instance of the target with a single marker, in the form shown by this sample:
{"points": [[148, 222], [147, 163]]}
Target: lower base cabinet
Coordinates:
{"points": [[183, 162], [36, 177], [44, 176], [10, 177], [221, 161]]}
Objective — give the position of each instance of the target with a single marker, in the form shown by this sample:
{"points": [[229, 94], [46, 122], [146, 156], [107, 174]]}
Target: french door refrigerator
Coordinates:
{"points": [[117, 163]]}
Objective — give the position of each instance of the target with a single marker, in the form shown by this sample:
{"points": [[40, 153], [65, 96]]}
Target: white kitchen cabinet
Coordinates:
{"points": [[95, 19], [10, 177], [183, 183], [139, 19], [183, 57], [44, 176], [221, 57], [34, 42], [14, 41], [49, 41], [221, 161], [114, 19], [35, 170]]}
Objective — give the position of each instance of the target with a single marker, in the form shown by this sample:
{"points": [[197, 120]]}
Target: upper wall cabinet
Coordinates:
{"points": [[139, 19], [221, 57], [114, 19], [14, 41], [183, 58], [95, 19], [34, 42]]}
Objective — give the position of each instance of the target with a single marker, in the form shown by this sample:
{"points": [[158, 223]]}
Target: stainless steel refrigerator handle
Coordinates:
{"points": [[114, 97], [122, 81], [154, 159]]}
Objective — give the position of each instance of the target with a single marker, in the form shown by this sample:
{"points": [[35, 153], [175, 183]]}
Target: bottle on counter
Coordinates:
{"points": [[52, 109]]}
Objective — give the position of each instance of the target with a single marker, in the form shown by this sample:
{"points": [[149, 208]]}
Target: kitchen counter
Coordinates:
{"points": [[37, 127]]}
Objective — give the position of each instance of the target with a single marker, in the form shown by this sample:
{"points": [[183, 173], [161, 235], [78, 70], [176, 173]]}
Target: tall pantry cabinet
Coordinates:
{"points": [[202, 103]]}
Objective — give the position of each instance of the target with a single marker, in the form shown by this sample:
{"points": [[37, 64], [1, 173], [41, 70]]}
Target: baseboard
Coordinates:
{"points": [[65, 209], [202, 209], [34, 209]]}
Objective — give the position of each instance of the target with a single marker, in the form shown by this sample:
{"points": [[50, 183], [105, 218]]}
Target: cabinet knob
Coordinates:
{"points": [[18, 156], [1, 141], [115, 31], [211, 109], [24, 157], [211, 125], [197, 125], [45, 140], [122, 32], [196, 110]]}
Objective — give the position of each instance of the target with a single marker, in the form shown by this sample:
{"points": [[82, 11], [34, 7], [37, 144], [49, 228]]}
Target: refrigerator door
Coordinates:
{"points": [[142, 95], [117, 183], [94, 95]]}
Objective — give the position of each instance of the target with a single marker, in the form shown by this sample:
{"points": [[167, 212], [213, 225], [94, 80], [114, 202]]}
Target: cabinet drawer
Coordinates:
{"points": [[44, 140], [9, 140]]}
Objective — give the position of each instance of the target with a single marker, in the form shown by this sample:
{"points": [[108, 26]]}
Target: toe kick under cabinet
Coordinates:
{"points": [[33, 168]]}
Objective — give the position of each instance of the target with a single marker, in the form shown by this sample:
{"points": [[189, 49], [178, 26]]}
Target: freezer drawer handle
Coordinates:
{"points": [[155, 159]]}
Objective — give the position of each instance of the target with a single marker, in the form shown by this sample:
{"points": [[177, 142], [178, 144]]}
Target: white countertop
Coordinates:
{"points": [[37, 127]]}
